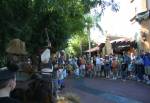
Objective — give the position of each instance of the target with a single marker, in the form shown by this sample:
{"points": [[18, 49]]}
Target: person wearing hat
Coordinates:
{"points": [[7, 83]]}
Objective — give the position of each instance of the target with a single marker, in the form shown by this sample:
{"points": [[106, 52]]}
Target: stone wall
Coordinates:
{"points": [[145, 34]]}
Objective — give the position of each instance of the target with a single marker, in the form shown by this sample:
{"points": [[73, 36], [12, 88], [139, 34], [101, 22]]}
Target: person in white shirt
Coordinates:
{"points": [[98, 66], [60, 76]]}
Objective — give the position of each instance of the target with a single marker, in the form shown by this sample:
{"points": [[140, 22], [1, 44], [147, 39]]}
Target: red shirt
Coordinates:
{"points": [[89, 67], [114, 64]]}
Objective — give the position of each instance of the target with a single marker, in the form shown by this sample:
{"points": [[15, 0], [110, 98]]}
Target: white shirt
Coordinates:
{"points": [[98, 60], [60, 74]]}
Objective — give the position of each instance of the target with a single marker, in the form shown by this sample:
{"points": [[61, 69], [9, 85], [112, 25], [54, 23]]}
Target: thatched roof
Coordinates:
{"points": [[16, 46]]}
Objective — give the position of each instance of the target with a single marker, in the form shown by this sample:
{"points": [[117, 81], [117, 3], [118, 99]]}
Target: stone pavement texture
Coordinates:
{"points": [[108, 91]]}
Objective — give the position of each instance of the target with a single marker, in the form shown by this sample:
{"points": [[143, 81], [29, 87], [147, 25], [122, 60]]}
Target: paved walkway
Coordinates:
{"points": [[108, 91]]}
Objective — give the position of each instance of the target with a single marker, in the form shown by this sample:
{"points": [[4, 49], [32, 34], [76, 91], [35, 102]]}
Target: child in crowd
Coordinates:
{"points": [[77, 72], [60, 76]]}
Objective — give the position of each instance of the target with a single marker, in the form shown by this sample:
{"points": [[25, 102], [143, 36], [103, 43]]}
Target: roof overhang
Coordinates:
{"points": [[93, 49]]}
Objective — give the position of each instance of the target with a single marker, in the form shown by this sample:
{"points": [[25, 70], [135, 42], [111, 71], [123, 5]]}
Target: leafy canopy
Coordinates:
{"points": [[27, 20]]}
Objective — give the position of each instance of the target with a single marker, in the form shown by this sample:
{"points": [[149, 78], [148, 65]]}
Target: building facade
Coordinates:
{"points": [[140, 19]]}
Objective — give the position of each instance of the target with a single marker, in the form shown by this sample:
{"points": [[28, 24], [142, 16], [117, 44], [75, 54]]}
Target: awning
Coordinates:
{"points": [[123, 43], [143, 16], [97, 48], [121, 40], [93, 49]]}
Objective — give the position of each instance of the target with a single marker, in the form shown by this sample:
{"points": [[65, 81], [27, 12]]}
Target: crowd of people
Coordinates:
{"points": [[113, 66]]}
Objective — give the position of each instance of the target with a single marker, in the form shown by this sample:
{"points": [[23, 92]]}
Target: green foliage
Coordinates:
{"points": [[77, 44], [27, 20], [88, 4]]}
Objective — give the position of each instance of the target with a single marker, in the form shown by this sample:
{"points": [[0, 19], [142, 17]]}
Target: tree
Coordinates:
{"points": [[88, 4], [77, 44], [27, 20]]}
